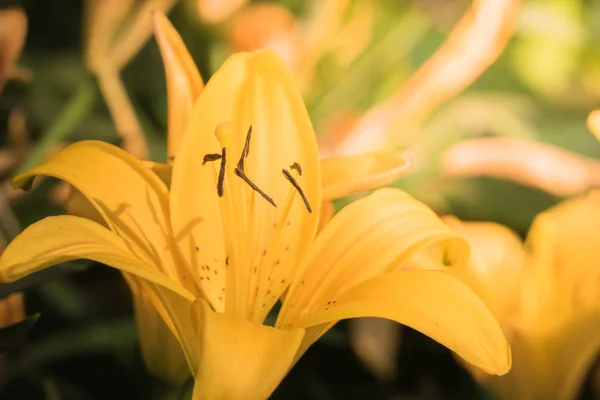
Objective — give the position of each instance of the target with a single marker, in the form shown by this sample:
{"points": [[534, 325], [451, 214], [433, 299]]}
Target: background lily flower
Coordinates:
{"points": [[343, 30], [13, 29], [218, 249], [114, 32], [545, 295]]}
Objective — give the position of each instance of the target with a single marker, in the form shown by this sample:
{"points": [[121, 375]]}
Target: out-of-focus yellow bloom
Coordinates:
{"points": [[236, 230], [544, 294], [114, 32], [13, 29], [341, 176]]}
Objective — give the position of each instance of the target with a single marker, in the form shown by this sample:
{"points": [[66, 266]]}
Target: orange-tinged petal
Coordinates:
{"points": [[474, 44], [267, 26], [432, 302], [242, 229], [59, 239], [240, 359], [132, 200], [539, 165], [371, 236], [13, 29], [350, 174], [184, 82], [216, 11], [12, 309]]}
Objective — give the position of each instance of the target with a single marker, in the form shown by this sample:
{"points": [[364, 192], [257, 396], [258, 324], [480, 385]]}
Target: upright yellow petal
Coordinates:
{"points": [[371, 236], [132, 200], [241, 360], [242, 232], [54, 240], [349, 174], [432, 302], [183, 80]]}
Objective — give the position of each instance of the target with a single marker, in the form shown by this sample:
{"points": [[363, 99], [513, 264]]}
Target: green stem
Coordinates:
{"points": [[69, 118]]}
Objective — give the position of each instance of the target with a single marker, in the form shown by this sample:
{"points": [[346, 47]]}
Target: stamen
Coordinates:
{"points": [[245, 178], [296, 186], [215, 157], [295, 166], [211, 157], [245, 150], [247, 144], [222, 172]]}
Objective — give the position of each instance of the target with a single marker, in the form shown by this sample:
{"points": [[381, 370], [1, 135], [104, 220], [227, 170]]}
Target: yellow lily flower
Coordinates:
{"points": [[341, 176], [236, 231], [545, 295]]}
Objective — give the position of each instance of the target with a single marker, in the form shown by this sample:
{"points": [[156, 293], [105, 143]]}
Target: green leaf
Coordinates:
{"points": [[13, 334]]}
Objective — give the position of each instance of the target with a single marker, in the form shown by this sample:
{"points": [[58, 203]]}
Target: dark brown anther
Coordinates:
{"points": [[211, 157], [222, 172], [245, 150], [296, 186], [296, 167]]}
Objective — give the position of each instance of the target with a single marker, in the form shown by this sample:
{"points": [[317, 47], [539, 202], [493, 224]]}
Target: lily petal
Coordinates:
{"points": [[350, 174], [371, 236], [496, 264], [240, 359], [64, 238], [576, 239], [132, 200], [432, 302], [160, 349], [184, 82], [242, 229]]}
